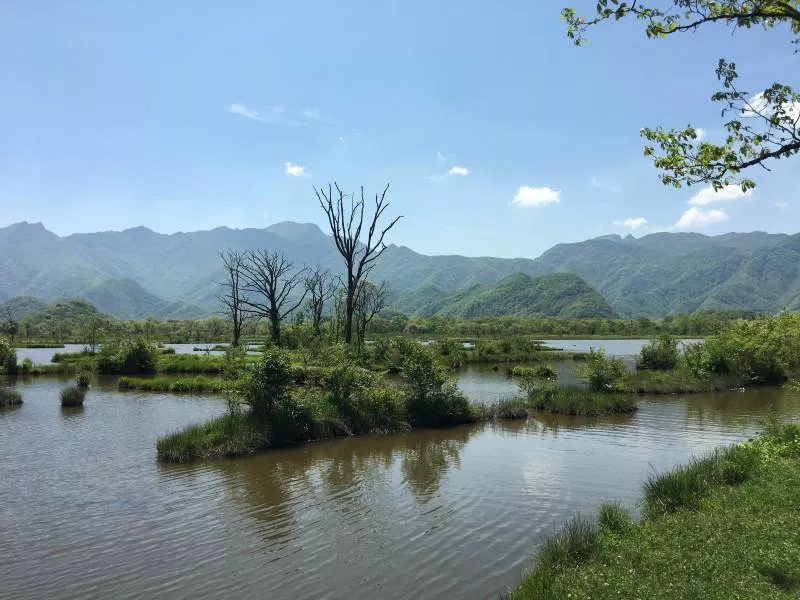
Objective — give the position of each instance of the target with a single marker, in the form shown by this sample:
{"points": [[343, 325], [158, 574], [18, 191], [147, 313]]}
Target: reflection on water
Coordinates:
{"points": [[86, 512]]}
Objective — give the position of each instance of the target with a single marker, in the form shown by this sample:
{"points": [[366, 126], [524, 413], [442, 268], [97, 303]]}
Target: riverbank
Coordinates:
{"points": [[724, 526]]}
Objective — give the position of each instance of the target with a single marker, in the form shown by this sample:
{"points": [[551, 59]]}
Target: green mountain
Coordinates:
{"points": [[20, 307], [62, 315], [562, 295], [138, 272]]}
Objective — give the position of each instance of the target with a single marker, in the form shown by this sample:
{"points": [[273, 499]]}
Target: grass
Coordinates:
{"points": [[724, 526], [508, 408], [230, 435], [576, 401], [193, 363], [72, 396], [9, 398], [677, 381], [177, 385]]}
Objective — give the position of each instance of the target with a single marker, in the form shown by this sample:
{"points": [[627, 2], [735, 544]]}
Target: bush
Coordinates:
{"points": [[72, 396], [128, 357], [433, 399], [27, 366], [532, 379], [83, 378], [8, 357], [659, 354], [604, 373], [235, 362]]}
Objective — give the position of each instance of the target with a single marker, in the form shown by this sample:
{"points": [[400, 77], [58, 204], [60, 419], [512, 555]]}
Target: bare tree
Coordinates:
{"points": [[10, 325], [346, 223], [269, 280], [321, 287], [233, 297], [370, 300]]}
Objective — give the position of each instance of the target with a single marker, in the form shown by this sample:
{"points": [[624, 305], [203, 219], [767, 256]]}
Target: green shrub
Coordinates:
{"points": [[83, 378], [130, 357], [8, 357], [604, 373], [433, 399], [659, 354], [532, 379], [576, 401], [235, 362], [72, 396], [27, 366]]}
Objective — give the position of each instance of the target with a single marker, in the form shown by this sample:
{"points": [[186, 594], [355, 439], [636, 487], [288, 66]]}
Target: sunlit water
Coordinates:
{"points": [[86, 512]]}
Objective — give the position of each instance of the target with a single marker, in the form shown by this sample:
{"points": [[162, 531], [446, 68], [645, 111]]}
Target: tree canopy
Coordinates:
{"points": [[761, 126]]}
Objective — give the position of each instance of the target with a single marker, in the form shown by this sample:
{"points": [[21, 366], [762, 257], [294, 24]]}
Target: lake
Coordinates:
{"points": [[87, 512]]}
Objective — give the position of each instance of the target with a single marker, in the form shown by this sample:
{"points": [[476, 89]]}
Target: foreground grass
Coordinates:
{"points": [[725, 526], [197, 384], [9, 398]]}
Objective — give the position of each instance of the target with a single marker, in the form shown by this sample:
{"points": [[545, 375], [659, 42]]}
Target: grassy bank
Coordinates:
{"points": [[576, 401], [679, 381], [725, 526], [197, 384]]}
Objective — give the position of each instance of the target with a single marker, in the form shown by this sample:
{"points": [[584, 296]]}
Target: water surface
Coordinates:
{"points": [[86, 512]]}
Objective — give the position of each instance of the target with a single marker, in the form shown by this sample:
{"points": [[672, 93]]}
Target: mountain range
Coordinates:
{"points": [[137, 272]]}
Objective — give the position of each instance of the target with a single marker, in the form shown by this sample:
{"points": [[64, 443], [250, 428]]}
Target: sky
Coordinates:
{"points": [[497, 135]]}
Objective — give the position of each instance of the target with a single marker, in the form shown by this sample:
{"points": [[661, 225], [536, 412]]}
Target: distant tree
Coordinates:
{"points": [[346, 220], [763, 126], [370, 300], [321, 287], [91, 330], [233, 297], [10, 324], [269, 280]]}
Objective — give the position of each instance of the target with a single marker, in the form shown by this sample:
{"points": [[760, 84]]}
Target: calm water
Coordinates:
{"points": [[624, 348], [86, 512], [43, 356]]}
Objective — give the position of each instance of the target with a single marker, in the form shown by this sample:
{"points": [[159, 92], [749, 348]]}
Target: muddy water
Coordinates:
{"points": [[86, 512]]}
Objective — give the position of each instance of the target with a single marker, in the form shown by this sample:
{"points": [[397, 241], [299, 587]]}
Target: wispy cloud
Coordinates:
{"points": [[697, 217], [277, 114], [782, 205], [441, 157], [631, 223], [341, 139], [296, 170], [701, 133], [455, 170], [533, 196], [606, 185], [727, 193]]}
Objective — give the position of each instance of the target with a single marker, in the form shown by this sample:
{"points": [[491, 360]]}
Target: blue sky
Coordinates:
{"points": [[184, 116]]}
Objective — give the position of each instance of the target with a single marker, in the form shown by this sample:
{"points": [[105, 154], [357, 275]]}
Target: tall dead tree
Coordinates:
{"points": [[269, 280], [370, 300], [346, 220], [233, 296], [321, 287]]}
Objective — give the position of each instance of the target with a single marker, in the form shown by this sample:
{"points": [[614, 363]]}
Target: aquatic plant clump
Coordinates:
{"points": [[72, 396], [9, 397]]}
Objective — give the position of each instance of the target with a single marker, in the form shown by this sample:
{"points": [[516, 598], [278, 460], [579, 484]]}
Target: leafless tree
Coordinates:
{"points": [[321, 287], [370, 300], [346, 220], [269, 280], [233, 297], [10, 325]]}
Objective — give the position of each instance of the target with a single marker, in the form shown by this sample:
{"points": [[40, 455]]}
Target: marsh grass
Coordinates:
{"points": [[678, 381], [233, 434], [83, 379], [514, 408], [576, 401], [72, 397], [9, 398], [197, 384], [614, 518]]}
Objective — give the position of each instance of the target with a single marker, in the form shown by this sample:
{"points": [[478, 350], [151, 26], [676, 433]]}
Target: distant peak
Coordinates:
{"points": [[294, 230], [614, 237]]}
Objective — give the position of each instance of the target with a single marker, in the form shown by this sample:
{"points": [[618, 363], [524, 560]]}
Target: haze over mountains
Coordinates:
{"points": [[137, 272]]}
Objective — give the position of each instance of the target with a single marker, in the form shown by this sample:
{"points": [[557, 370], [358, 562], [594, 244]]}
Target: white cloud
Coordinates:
{"points": [[441, 157], [697, 217], [237, 108], [463, 171], [782, 205], [701, 133], [532, 196], [606, 185], [708, 195], [341, 140], [277, 114], [759, 105], [296, 170], [631, 223]]}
